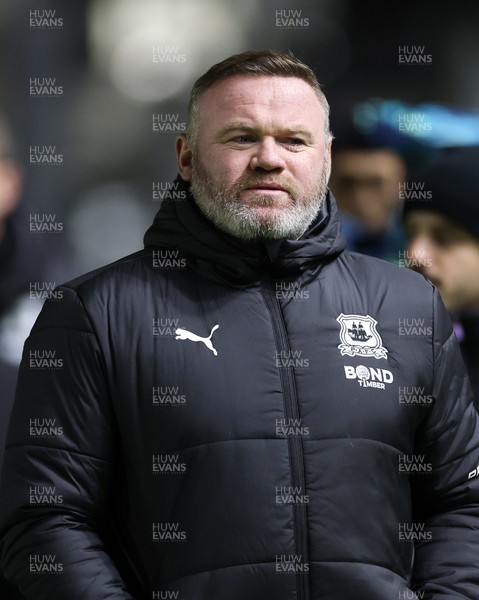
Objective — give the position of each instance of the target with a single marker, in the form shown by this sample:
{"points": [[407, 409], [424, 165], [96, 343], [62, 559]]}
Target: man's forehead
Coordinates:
{"points": [[269, 101], [259, 89]]}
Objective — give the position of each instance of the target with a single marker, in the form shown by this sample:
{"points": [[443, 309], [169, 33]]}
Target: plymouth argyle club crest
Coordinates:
{"points": [[359, 336]]}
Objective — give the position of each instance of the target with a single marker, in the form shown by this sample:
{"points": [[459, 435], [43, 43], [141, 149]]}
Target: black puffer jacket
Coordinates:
{"points": [[208, 420], [469, 333]]}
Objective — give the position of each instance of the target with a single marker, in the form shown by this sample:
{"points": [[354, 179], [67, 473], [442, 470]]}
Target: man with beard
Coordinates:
{"points": [[238, 413]]}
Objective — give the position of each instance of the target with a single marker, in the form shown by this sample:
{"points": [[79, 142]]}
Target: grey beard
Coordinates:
{"points": [[222, 205]]}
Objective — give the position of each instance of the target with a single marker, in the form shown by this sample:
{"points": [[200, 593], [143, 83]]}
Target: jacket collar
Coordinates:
{"points": [[218, 256]]}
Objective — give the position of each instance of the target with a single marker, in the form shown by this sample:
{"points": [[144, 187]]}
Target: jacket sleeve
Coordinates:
{"points": [[446, 501], [57, 475]]}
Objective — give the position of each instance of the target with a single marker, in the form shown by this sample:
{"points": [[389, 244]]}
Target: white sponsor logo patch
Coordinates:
{"points": [[369, 376]]}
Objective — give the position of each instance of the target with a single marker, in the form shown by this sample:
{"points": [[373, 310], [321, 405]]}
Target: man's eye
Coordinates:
{"points": [[243, 139], [296, 142]]}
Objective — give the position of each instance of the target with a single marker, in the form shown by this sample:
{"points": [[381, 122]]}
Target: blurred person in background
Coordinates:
{"points": [[365, 179], [17, 267], [443, 232], [12, 259]]}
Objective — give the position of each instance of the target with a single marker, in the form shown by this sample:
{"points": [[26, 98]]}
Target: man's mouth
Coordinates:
{"points": [[267, 186]]}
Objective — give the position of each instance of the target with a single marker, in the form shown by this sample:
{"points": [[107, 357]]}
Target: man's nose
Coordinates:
{"points": [[267, 155]]}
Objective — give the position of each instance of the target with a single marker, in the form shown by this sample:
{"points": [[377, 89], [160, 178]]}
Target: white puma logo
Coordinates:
{"points": [[184, 334]]}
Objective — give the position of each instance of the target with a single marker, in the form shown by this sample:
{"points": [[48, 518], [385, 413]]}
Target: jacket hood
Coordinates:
{"points": [[212, 253]]}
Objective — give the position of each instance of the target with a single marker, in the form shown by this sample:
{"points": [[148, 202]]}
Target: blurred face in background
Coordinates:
{"points": [[447, 255], [366, 184], [10, 188], [261, 161]]}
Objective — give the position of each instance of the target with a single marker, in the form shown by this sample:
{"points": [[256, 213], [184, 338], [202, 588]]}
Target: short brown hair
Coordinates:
{"points": [[253, 63]]}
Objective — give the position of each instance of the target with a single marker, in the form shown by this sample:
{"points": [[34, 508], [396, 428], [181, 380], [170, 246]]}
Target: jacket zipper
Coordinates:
{"points": [[295, 446]]}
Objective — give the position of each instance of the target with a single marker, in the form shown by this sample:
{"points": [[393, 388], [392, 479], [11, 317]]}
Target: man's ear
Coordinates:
{"points": [[184, 157], [327, 157]]}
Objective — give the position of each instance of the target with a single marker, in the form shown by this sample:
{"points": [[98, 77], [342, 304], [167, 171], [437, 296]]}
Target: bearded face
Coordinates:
{"points": [[260, 161], [243, 210]]}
